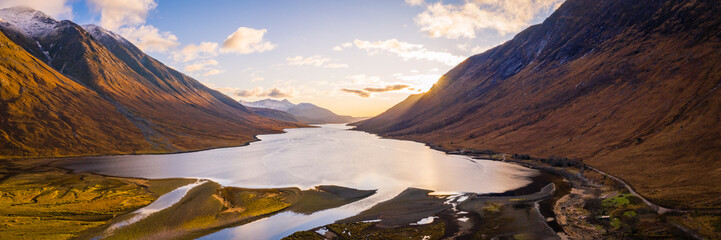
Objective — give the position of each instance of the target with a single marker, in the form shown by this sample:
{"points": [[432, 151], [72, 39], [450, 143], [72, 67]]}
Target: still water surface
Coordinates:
{"points": [[307, 157]]}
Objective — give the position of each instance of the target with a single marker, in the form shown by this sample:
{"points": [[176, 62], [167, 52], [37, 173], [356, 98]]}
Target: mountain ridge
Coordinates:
{"points": [[302, 112], [154, 98], [631, 88]]}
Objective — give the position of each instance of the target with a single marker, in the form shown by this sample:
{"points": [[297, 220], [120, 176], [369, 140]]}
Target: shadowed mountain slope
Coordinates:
{"points": [[631, 87], [171, 111]]}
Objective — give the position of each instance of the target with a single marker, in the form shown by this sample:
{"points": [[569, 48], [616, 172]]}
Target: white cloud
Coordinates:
{"points": [[472, 50], [59, 9], [415, 2], [343, 45], [192, 52], [117, 13], [407, 51], [462, 21], [479, 49], [200, 65], [212, 72], [315, 60], [149, 38], [127, 17], [422, 82], [246, 40], [362, 79], [255, 78]]}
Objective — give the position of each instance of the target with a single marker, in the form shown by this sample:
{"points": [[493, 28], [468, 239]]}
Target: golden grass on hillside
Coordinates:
{"points": [[629, 87]]}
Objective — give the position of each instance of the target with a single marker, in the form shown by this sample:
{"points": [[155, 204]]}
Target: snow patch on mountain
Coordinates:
{"points": [[102, 33], [270, 103], [34, 23], [46, 53]]}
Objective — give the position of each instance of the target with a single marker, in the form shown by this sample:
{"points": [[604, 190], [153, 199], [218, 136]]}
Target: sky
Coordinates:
{"points": [[355, 58]]}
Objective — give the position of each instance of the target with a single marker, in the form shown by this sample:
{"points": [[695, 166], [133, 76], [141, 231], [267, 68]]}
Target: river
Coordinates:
{"points": [[306, 157]]}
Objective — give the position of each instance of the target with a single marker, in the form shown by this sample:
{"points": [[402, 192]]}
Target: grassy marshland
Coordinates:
{"points": [[210, 207], [39, 202], [42, 202]]}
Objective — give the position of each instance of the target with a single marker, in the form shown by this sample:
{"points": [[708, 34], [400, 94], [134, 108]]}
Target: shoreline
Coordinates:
{"points": [[582, 184], [255, 139], [579, 187], [570, 176], [43, 158]]}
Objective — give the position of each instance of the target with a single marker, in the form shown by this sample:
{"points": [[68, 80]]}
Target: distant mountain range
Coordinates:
{"points": [[72, 90], [302, 112], [631, 87]]}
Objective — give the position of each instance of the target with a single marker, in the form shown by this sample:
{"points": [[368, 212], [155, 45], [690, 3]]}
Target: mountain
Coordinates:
{"points": [[302, 112], [630, 87], [71, 91], [283, 105], [274, 114]]}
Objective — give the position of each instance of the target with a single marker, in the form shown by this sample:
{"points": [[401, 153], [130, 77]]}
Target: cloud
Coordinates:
{"points": [[59, 9], [360, 93], [461, 21], [362, 79], [149, 38], [248, 93], [407, 51], [246, 40], [243, 41], [316, 60], [479, 49], [192, 52], [259, 92], [343, 45], [127, 17], [367, 92], [415, 2], [117, 13], [388, 88], [277, 93], [421, 81], [212, 72], [200, 65]]}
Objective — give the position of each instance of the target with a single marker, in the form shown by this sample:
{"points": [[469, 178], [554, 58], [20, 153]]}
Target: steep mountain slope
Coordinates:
{"points": [[631, 87], [302, 112], [172, 111], [44, 113]]}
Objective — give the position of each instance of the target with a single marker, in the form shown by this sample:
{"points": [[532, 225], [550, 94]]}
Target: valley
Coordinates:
{"points": [[553, 119]]}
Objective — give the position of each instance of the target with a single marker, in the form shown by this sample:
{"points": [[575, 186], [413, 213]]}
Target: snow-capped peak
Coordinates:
{"points": [[270, 103], [31, 21], [100, 33]]}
